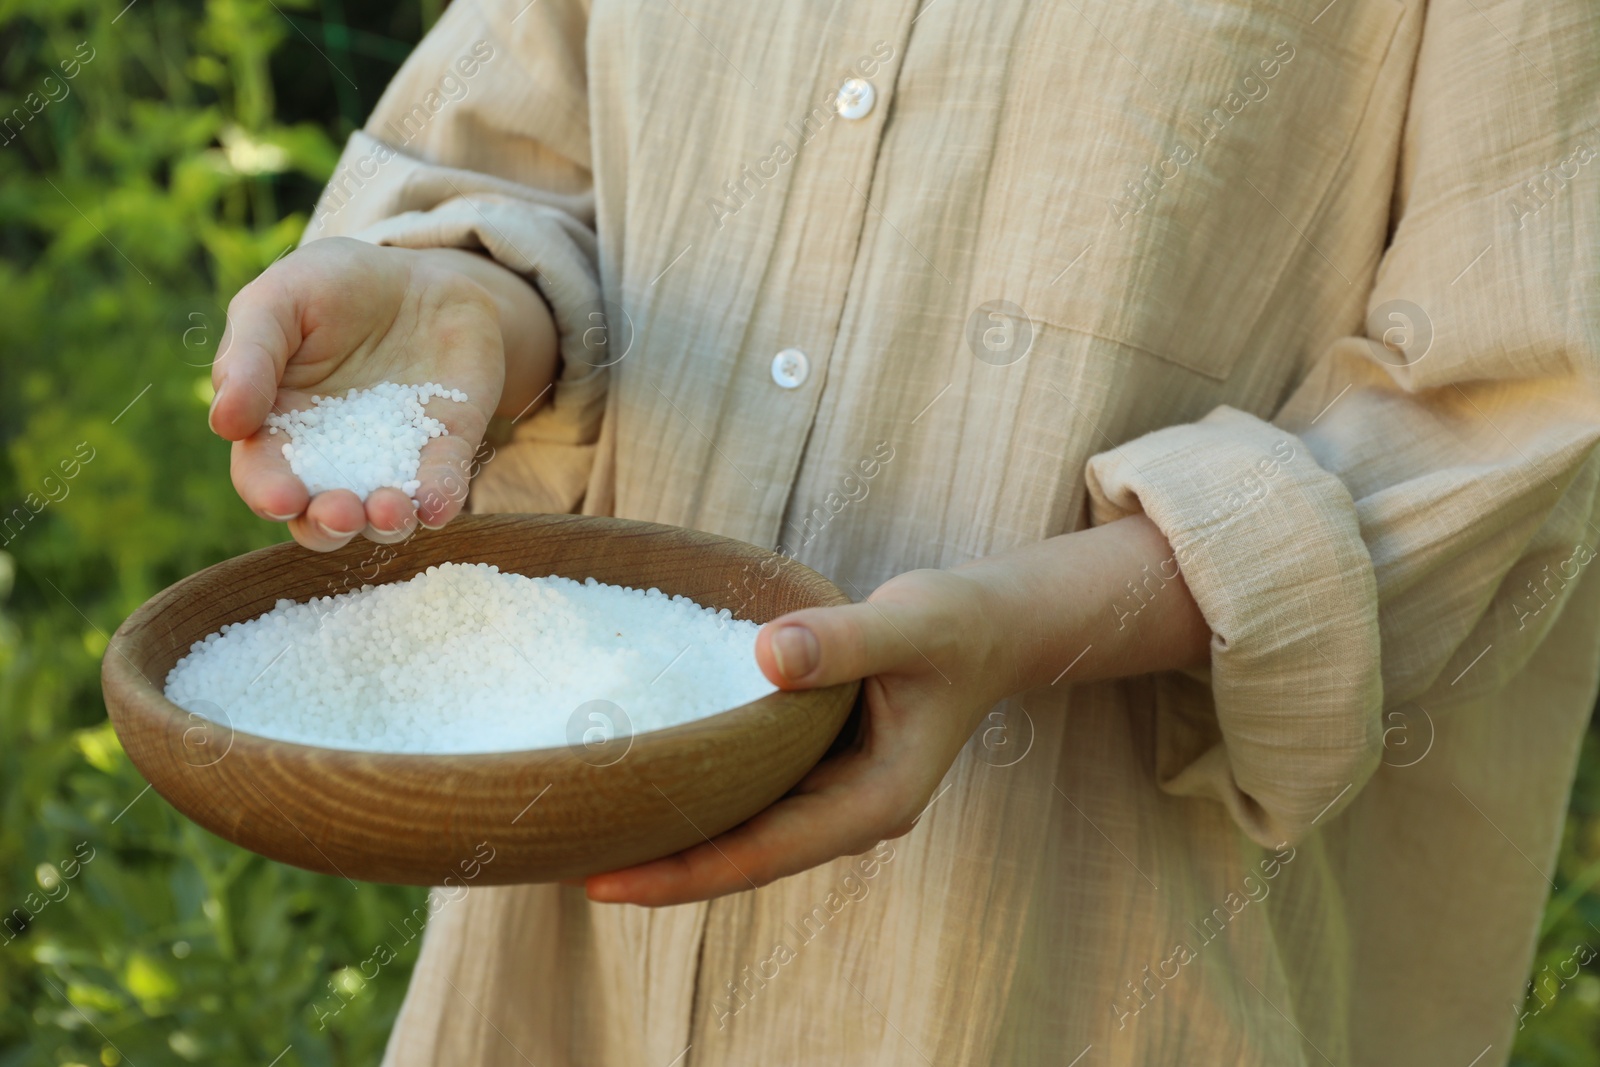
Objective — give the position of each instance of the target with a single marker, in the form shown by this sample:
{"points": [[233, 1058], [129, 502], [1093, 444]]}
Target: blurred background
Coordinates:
{"points": [[154, 157]]}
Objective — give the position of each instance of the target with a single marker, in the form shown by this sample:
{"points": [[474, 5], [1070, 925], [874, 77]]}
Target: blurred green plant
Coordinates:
{"points": [[153, 158], [1559, 1020], [157, 157]]}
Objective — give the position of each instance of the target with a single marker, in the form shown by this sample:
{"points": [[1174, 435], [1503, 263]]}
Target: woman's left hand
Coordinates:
{"points": [[937, 650], [927, 646]]}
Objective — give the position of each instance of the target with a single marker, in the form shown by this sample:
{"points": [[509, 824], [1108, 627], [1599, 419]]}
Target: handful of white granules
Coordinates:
{"points": [[367, 439], [464, 658]]}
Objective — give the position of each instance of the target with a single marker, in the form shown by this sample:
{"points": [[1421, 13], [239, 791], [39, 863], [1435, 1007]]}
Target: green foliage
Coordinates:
{"points": [[1560, 1018], [174, 164], [151, 183]]}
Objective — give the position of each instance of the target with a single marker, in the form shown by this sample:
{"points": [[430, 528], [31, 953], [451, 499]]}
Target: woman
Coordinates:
{"points": [[1207, 392]]}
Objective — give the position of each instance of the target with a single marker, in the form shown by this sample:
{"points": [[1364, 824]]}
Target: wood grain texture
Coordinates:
{"points": [[494, 818]]}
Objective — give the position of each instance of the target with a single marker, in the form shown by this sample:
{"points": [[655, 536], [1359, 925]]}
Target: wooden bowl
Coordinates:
{"points": [[528, 816]]}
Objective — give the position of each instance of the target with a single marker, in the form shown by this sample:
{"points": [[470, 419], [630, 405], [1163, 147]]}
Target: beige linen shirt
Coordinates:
{"points": [[892, 285]]}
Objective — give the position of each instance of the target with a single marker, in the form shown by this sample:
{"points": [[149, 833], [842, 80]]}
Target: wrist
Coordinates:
{"points": [[988, 618], [1007, 611], [1058, 607]]}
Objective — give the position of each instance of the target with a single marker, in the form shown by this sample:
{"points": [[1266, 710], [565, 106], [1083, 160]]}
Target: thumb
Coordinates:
{"points": [[825, 646], [262, 333]]}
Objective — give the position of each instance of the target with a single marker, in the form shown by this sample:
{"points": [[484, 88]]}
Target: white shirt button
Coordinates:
{"points": [[790, 368], [856, 98]]}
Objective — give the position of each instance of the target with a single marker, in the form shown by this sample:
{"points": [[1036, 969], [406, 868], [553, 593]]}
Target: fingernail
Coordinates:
{"points": [[602, 891], [277, 518], [211, 414], [328, 531], [795, 648]]}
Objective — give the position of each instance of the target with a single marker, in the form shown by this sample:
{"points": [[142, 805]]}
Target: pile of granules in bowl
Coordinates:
{"points": [[364, 440], [465, 658]]}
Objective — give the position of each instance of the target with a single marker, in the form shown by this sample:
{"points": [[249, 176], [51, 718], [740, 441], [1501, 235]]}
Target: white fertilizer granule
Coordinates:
{"points": [[464, 658], [364, 440]]}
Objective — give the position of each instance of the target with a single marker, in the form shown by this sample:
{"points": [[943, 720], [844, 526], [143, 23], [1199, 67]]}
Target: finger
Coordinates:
{"points": [[262, 333], [263, 480], [445, 469], [310, 536], [444, 475], [797, 833], [825, 646], [330, 521], [389, 516]]}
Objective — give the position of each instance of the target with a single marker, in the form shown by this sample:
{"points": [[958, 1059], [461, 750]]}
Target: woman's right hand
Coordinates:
{"points": [[340, 314]]}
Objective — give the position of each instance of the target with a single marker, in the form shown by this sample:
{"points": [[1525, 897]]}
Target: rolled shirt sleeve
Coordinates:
{"points": [[1410, 523], [481, 142]]}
